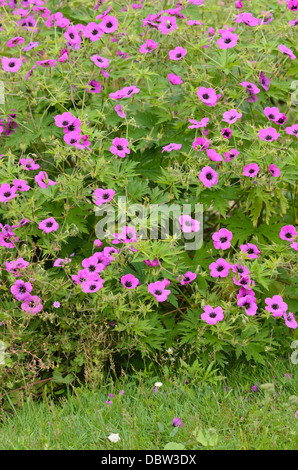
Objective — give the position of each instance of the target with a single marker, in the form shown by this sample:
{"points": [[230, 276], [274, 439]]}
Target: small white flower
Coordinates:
{"points": [[114, 437], [170, 351], [158, 384]]}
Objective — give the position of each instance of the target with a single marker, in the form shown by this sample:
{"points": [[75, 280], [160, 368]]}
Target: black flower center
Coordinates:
{"points": [[275, 307], [128, 284], [158, 292], [206, 96]]}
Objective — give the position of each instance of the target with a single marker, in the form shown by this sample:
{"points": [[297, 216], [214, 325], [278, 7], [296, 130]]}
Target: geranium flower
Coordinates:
{"points": [[251, 87], [177, 53], [226, 132], [119, 110], [264, 81], [249, 303], [93, 31], [201, 143], [11, 64], [103, 195], [119, 147], [187, 278], [285, 50], [49, 225], [227, 40], [240, 269], [212, 315], [243, 281], [231, 154], [188, 224], [288, 232], [276, 305], [251, 250], [251, 170], [197, 124], [7, 192], [219, 268], [291, 323], [231, 116], [222, 239], [170, 147], [16, 41], [214, 156], [32, 304], [208, 96], [149, 46], [92, 285], [21, 185], [100, 61], [109, 24], [208, 176], [268, 134], [274, 170], [175, 79], [177, 422], [129, 281], [43, 180], [167, 24], [158, 289], [93, 86], [20, 289]]}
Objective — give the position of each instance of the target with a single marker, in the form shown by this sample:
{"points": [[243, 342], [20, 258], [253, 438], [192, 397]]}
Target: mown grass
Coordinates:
{"points": [[243, 419]]}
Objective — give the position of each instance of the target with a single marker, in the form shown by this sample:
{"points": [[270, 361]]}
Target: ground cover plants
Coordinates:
{"points": [[126, 107]]}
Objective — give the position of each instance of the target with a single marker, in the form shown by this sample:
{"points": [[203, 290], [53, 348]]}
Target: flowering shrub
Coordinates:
{"points": [[157, 102]]}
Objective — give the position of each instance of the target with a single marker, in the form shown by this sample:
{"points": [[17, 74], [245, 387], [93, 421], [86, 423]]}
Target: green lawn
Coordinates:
{"points": [[243, 419]]}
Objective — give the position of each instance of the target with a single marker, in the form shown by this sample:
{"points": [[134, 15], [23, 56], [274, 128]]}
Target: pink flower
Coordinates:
{"points": [[187, 278], [212, 315], [119, 110], [251, 170], [208, 176], [119, 147], [158, 289], [222, 239], [149, 46], [231, 116], [177, 53], [214, 156], [175, 79], [11, 64], [170, 147], [129, 281], [291, 323], [188, 224], [103, 195], [227, 40], [43, 180], [7, 192], [219, 268], [288, 232], [251, 250], [208, 96], [167, 24], [287, 51], [20, 289], [268, 134], [276, 305], [274, 170], [49, 225], [197, 124], [249, 303], [100, 61]]}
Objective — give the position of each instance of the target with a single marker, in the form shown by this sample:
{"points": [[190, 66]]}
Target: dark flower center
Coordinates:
{"points": [[271, 116], [92, 287], [7, 194], [205, 96], [287, 235], [275, 307], [178, 55], [11, 64], [65, 123], [128, 284], [212, 315], [251, 171], [22, 289], [209, 176], [94, 32], [119, 147], [223, 239], [250, 251], [105, 196], [92, 268], [243, 282], [49, 224], [268, 137], [109, 24], [158, 292], [71, 36], [220, 268], [71, 127], [247, 305], [227, 41]]}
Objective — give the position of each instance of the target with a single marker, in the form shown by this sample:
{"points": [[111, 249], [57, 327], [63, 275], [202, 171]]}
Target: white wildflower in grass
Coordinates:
{"points": [[114, 437]]}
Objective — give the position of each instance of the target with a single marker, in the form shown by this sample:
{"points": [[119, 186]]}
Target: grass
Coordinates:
{"points": [[243, 419]]}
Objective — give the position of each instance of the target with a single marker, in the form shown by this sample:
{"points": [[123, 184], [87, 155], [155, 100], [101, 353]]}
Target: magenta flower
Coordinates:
{"points": [[32, 304], [21, 185], [73, 138], [197, 124], [187, 278], [240, 269], [64, 120], [243, 281], [288, 232], [119, 110], [119, 147], [249, 303], [226, 133], [287, 51], [231, 154], [208, 176], [219, 268], [7, 192], [109, 24], [254, 388], [170, 147], [291, 323], [175, 79], [188, 224], [72, 35], [16, 267], [212, 315], [20, 289], [11, 64], [49, 225], [177, 422], [231, 116], [251, 170], [129, 281], [15, 41], [222, 239], [214, 156], [177, 53], [92, 285], [93, 87], [201, 143], [268, 134], [251, 250], [100, 61], [293, 130], [93, 31], [208, 96], [103, 195], [167, 24], [251, 87], [243, 291], [95, 263], [158, 289], [149, 46], [43, 180], [153, 263], [264, 81], [56, 304], [227, 40], [46, 63], [274, 170], [125, 92], [60, 262], [276, 305], [272, 113]]}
